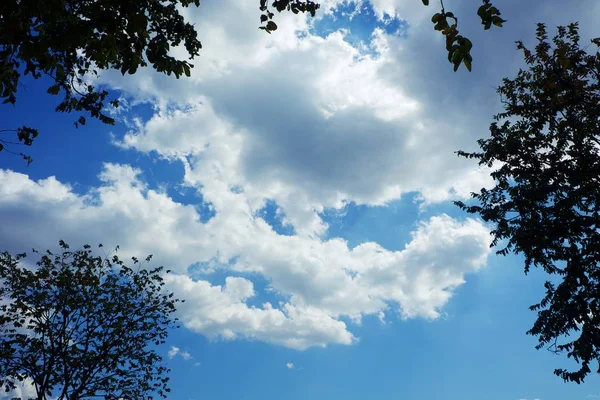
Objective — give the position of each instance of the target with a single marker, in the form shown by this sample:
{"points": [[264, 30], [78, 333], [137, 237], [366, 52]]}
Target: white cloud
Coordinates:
{"points": [[359, 128], [218, 312], [350, 134], [310, 123], [289, 365], [23, 390], [321, 280], [173, 351]]}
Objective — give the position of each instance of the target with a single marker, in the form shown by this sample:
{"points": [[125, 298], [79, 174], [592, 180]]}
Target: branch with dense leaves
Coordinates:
{"points": [[545, 154], [81, 325], [69, 40]]}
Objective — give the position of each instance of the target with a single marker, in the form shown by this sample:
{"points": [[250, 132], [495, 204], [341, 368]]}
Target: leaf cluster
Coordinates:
{"points": [[295, 6], [458, 46], [83, 326], [544, 150]]}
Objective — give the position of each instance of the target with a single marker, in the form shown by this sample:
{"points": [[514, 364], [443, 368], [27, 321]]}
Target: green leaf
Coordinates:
{"points": [[54, 89], [481, 12], [457, 57], [467, 45], [498, 21], [271, 26], [467, 61]]}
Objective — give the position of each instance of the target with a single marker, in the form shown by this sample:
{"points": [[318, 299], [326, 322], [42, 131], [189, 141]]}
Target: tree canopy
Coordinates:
{"points": [[82, 326], [544, 152]]}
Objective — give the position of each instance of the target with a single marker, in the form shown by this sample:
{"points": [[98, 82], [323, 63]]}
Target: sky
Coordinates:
{"points": [[299, 185]]}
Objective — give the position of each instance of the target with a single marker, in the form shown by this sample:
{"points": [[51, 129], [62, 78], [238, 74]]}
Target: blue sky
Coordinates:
{"points": [[300, 186]]}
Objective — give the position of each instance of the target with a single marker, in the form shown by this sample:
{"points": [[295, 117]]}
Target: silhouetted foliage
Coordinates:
{"points": [[544, 152], [295, 6], [458, 46], [81, 326], [25, 135], [68, 39]]}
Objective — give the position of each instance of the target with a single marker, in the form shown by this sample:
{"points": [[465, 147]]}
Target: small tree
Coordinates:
{"points": [[545, 153], [81, 326]]}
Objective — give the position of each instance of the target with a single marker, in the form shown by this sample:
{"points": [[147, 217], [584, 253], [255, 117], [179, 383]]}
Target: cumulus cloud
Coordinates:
{"points": [[319, 281], [308, 122], [351, 134], [289, 365]]}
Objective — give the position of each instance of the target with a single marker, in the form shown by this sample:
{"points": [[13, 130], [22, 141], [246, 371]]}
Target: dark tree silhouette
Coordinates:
{"points": [[544, 152], [81, 326]]}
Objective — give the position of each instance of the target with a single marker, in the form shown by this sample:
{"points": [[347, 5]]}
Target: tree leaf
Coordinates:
{"points": [[271, 26], [54, 89]]}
